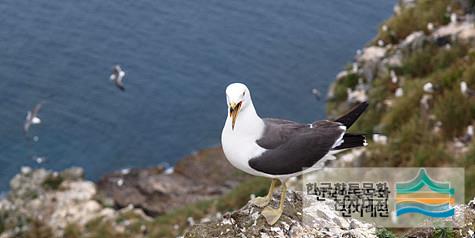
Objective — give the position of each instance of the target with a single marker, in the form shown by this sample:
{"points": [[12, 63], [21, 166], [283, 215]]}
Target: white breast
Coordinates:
{"points": [[239, 145]]}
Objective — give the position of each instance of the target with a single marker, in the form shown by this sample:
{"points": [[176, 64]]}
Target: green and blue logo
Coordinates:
{"points": [[425, 196]]}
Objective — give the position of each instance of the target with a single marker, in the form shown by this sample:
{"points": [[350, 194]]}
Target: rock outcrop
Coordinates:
{"points": [[319, 219], [54, 200], [203, 175]]}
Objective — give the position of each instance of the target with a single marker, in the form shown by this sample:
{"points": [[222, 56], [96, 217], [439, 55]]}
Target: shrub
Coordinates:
{"points": [[52, 182], [384, 233], [415, 19], [432, 58], [403, 108], [72, 231], [455, 112]]}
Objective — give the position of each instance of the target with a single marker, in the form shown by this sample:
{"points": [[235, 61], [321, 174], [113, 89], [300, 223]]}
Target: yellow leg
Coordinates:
{"points": [[272, 215], [263, 201]]}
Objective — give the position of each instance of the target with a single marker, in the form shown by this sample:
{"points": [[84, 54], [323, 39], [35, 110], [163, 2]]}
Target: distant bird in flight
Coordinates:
{"points": [[32, 117], [39, 159], [118, 77], [280, 149], [317, 94]]}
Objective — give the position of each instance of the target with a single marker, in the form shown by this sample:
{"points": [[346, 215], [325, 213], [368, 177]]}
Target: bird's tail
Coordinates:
{"points": [[351, 140], [349, 118]]}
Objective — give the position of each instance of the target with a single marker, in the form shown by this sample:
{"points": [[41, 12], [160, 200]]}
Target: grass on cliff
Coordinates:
{"points": [[164, 225], [414, 137], [416, 18]]}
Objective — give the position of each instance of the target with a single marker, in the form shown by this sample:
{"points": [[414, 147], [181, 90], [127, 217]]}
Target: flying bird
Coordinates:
{"points": [[280, 149], [32, 117], [118, 77], [317, 94]]}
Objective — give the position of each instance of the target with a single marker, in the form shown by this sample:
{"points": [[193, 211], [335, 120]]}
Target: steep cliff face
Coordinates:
{"points": [[198, 177], [418, 76], [149, 202]]}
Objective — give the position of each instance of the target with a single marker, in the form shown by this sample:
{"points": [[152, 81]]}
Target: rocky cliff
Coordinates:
{"points": [[324, 221], [418, 75], [150, 202], [248, 222]]}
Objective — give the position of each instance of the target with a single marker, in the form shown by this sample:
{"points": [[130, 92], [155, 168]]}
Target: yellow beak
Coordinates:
{"points": [[233, 112]]}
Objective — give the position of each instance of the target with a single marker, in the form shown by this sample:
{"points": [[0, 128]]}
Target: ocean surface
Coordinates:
{"points": [[178, 56]]}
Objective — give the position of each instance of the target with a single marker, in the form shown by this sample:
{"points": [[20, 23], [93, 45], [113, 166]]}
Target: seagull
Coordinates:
{"points": [[468, 135], [317, 94], [399, 92], [430, 26], [39, 159], [428, 87], [280, 149], [453, 18], [465, 90], [118, 77], [394, 78], [32, 117]]}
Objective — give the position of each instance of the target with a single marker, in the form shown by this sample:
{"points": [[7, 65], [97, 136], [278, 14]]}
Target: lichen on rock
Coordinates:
{"points": [[323, 221]]}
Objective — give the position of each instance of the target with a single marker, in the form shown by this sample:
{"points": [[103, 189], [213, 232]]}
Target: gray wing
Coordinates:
{"points": [[278, 132], [27, 124], [120, 84], [116, 70], [37, 109], [291, 146]]}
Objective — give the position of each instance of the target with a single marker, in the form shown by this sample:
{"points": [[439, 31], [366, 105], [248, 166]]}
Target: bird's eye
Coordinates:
{"points": [[243, 93]]}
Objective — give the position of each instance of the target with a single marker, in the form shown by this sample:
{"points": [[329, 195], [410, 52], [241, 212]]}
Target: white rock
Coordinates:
{"points": [[357, 95], [464, 31], [413, 41], [372, 53]]}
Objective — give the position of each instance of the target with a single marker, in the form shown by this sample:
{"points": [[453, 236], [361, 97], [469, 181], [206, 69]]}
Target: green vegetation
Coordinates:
{"points": [[163, 226], [53, 182], [419, 137], [72, 231], [416, 19], [38, 230], [444, 233], [384, 233], [101, 228]]}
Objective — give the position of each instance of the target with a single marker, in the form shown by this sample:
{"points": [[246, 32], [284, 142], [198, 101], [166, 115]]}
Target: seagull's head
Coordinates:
{"points": [[238, 98]]}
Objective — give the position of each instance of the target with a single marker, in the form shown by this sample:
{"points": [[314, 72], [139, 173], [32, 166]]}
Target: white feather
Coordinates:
{"points": [[36, 120]]}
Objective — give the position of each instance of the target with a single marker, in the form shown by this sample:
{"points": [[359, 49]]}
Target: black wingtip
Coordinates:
{"points": [[349, 118], [351, 141]]}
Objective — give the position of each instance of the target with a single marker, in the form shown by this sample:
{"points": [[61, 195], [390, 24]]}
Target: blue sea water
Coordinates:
{"points": [[178, 57]]}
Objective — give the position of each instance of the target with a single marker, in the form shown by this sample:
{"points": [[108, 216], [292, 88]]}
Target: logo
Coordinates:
{"points": [[423, 195]]}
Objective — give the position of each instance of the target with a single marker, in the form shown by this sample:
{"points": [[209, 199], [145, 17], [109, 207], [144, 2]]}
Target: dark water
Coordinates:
{"points": [[178, 55]]}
